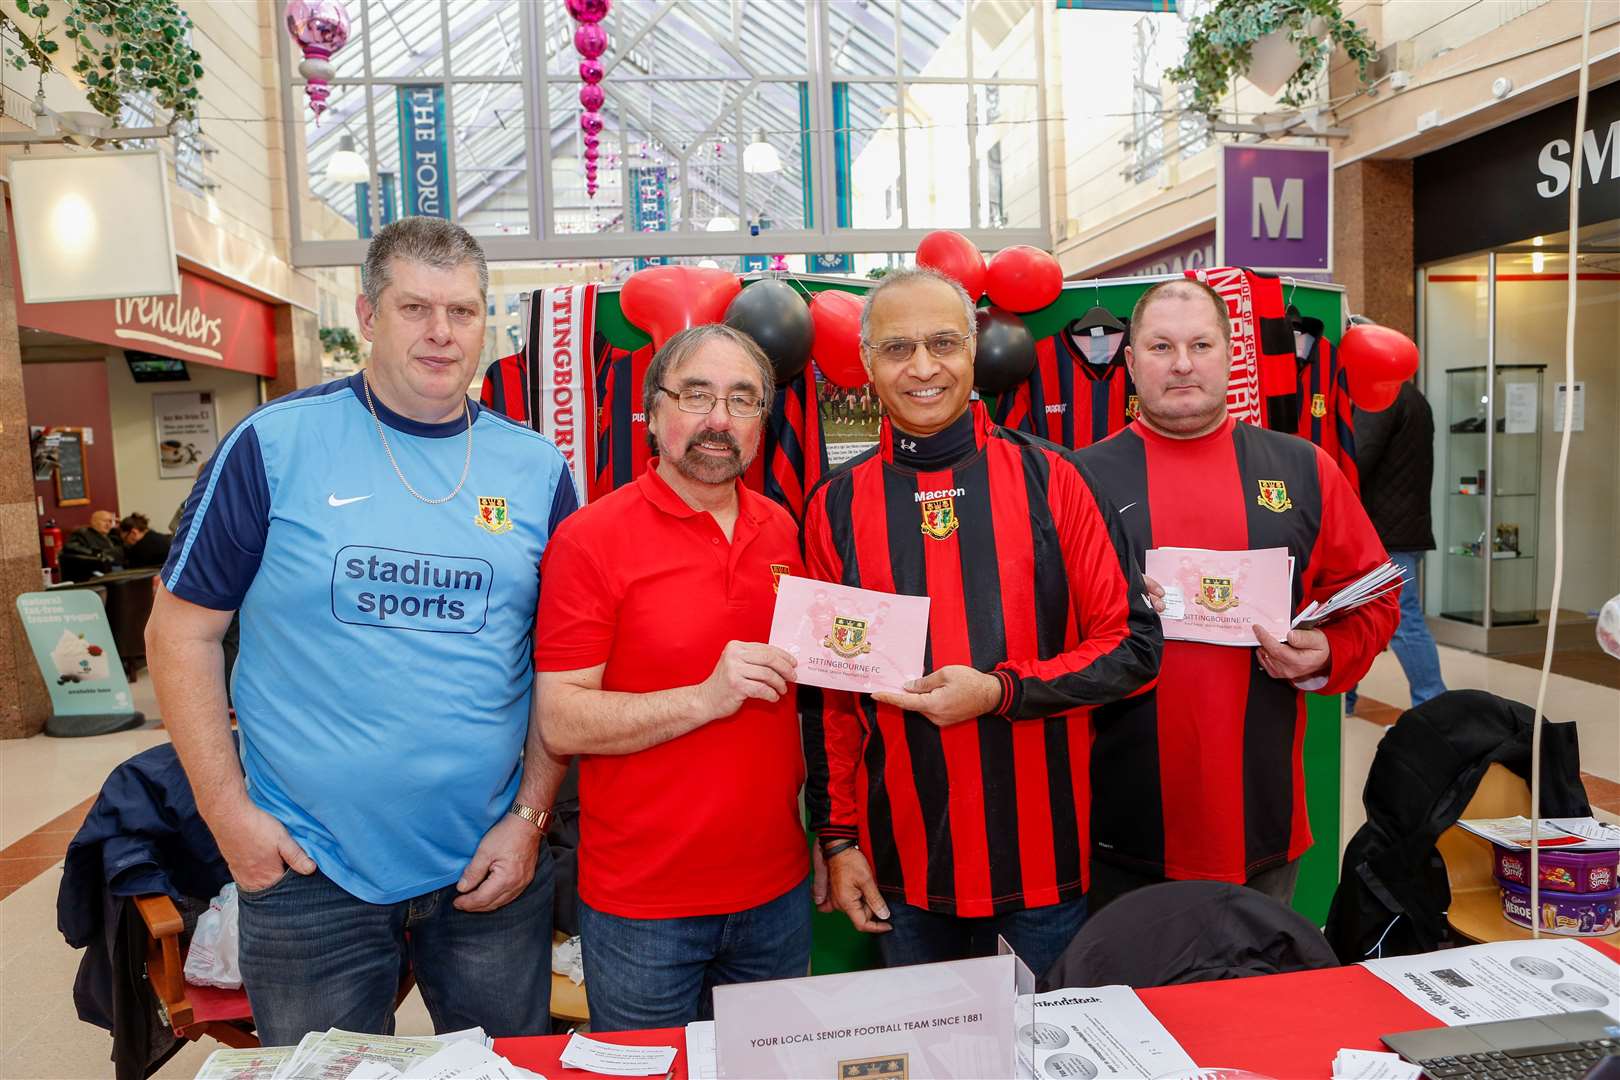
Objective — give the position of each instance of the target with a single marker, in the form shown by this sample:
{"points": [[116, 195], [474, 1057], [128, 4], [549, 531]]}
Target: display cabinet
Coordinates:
{"points": [[1492, 501]]}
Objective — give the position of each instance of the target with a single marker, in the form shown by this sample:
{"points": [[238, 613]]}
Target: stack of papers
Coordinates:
{"points": [[702, 1055], [1567, 834], [347, 1055], [1373, 1065], [1099, 1032], [1505, 980], [615, 1059], [1377, 582]]}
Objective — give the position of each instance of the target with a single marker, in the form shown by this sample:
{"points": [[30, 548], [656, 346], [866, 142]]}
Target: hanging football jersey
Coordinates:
{"points": [[1323, 397], [794, 453], [1080, 391], [622, 451]]}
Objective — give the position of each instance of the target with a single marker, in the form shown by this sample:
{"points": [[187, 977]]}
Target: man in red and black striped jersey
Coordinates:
{"points": [[1203, 777], [958, 810], [1080, 391]]}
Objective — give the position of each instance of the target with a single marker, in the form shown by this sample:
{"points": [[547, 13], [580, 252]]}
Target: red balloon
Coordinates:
{"points": [[1023, 278], [955, 256], [837, 346], [663, 300], [1376, 361]]}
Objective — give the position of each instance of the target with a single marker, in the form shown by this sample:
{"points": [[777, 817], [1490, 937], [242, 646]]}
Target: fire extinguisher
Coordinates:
{"points": [[50, 539]]}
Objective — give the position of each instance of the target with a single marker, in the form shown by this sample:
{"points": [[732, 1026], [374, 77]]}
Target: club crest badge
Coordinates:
{"points": [[1216, 593], [777, 570], [848, 637], [1319, 405], [1274, 496], [939, 517], [1133, 407], [492, 516], [892, 1067]]}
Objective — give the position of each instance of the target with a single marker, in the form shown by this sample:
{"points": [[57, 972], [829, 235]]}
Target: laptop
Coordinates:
{"points": [[1559, 1045]]}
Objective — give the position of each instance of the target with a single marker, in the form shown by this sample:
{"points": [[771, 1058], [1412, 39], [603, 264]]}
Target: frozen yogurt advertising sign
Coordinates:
{"points": [[73, 646]]}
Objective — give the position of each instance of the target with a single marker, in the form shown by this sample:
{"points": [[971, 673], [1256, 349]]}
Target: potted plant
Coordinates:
{"points": [[123, 49], [1275, 44]]}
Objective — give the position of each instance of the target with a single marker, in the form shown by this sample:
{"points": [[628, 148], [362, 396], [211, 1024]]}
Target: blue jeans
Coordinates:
{"points": [[315, 957], [656, 973], [1037, 935], [1412, 644]]}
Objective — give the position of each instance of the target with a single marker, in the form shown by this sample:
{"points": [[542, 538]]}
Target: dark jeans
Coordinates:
{"points": [[1037, 935], [315, 957], [655, 973], [1110, 881]]}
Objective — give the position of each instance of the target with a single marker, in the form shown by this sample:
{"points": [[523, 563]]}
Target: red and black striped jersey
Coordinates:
{"points": [[794, 453], [505, 388], [622, 450], [1204, 776], [1028, 581], [1079, 393], [1325, 416]]}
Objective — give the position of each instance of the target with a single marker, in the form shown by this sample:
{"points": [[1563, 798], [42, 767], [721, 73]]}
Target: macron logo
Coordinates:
{"points": [[333, 500], [940, 493]]}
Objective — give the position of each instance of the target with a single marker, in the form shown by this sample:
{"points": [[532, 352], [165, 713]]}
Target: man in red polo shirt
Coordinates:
{"points": [[655, 601]]}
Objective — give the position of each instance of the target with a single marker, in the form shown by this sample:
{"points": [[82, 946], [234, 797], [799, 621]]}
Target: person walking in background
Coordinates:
{"points": [[1395, 452]]}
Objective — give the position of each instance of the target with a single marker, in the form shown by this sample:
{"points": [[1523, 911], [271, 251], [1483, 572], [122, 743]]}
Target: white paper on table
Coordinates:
{"points": [[472, 1034], [464, 1059], [1556, 834], [1520, 418], [702, 1055], [1505, 980], [1101, 1032], [335, 1053], [1373, 1065], [254, 1063], [616, 1059], [375, 1070]]}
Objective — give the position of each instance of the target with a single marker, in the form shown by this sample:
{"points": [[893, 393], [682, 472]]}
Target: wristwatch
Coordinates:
{"points": [[540, 819]]}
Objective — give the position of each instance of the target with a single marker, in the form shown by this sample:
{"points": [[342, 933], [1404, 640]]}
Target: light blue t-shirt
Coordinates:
{"points": [[382, 688]]}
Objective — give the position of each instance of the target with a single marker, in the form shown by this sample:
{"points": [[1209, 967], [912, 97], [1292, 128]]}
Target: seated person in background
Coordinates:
{"points": [[92, 549], [142, 546]]}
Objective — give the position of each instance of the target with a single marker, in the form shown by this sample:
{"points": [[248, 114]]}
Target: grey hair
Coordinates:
{"points": [[911, 276], [438, 243], [688, 341]]}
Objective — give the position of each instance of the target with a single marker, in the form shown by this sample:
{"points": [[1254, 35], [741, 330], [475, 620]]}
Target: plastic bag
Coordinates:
{"points": [[212, 959]]}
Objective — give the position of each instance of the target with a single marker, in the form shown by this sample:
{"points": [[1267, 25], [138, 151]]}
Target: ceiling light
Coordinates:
{"points": [[760, 156], [345, 166], [721, 223]]}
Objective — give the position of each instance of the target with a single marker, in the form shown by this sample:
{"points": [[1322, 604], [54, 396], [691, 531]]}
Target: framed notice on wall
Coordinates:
{"points": [[187, 432], [72, 486]]}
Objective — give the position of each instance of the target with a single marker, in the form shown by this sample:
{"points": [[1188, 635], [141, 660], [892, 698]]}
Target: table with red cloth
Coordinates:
{"points": [[1284, 1026]]}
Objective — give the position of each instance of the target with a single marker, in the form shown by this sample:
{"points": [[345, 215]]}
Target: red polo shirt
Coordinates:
{"points": [[707, 823]]}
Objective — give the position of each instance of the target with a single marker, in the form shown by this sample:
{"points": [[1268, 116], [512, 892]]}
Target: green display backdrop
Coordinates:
{"points": [[837, 945]]}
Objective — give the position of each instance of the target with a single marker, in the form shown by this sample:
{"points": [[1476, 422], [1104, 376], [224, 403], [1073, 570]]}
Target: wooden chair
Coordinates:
{"points": [[568, 1001], [191, 1011], [1476, 902]]}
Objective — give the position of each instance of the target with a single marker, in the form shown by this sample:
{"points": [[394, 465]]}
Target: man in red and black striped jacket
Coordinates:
{"points": [[1204, 776], [958, 810]]}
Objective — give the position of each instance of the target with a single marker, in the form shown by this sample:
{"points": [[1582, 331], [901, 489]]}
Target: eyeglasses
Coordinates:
{"points": [[740, 406], [939, 346]]}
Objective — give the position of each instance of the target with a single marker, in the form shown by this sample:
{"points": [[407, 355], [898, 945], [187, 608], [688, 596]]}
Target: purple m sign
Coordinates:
{"points": [[1276, 208]]}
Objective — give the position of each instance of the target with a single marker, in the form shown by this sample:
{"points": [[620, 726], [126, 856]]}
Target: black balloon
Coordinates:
{"points": [[774, 315], [1006, 352]]}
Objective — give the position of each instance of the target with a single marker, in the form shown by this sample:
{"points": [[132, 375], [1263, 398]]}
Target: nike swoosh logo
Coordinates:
{"points": [[1122, 509], [333, 500]]}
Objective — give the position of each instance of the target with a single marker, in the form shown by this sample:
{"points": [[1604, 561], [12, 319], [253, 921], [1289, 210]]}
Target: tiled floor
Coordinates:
{"points": [[46, 785]]}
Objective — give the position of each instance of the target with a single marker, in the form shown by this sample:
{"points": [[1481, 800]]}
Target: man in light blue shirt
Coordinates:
{"points": [[381, 536]]}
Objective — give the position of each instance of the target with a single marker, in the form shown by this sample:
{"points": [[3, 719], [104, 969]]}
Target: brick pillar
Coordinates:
{"points": [[24, 704], [1372, 241], [298, 352]]}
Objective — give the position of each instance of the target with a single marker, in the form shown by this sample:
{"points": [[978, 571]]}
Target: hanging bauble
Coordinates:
{"points": [[321, 28], [590, 40], [592, 153], [591, 97], [590, 123], [588, 11], [591, 140], [591, 71]]}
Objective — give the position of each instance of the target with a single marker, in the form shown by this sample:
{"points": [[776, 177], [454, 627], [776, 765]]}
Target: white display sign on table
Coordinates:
{"points": [[921, 1022]]}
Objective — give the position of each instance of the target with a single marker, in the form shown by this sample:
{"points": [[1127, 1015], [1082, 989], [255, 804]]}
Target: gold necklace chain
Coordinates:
{"points": [[466, 410]]}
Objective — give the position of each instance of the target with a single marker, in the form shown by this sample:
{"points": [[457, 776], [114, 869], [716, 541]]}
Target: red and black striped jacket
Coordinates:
{"points": [[1325, 416], [1204, 776], [1029, 581]]}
